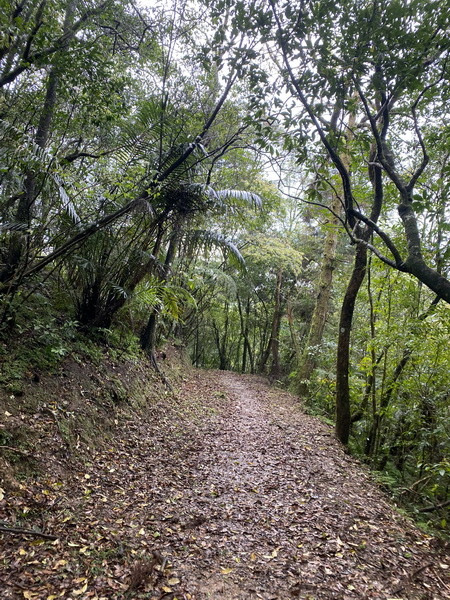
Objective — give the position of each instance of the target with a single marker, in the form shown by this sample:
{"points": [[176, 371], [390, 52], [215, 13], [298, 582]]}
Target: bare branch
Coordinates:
{"points": [[331, 151], [21, 531], [386, 239]]}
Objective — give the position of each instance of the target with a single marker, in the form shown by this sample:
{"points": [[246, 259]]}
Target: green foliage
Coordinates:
{"points": [[49, 340], [273, 253]]}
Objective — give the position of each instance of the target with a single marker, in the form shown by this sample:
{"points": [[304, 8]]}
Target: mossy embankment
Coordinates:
{"points": [[53, 416]]}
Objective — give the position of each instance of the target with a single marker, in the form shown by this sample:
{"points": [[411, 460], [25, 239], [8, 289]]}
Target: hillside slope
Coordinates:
{"points": [[222, 489]]}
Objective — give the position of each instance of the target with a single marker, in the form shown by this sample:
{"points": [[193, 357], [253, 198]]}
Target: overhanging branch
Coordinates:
{"points": [[398, 264]]}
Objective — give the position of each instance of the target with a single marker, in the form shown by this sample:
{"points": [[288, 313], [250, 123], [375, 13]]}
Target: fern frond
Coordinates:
{"points": [[211, 275], [118, 291]]}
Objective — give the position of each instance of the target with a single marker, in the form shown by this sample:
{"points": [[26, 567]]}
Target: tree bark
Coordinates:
{"points": [[247, 349], [308, 359], [148, 336], [19, 241], [343, 417], [343, 411], [273, 347]]}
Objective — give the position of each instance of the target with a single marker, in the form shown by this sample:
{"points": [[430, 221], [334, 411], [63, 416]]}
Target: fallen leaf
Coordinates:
{"points": [[80, 591], [226, 571], [60, 563], [173, 581]]}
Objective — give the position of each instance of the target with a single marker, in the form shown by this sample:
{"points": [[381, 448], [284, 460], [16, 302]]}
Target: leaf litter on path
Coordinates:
{"points": [[226, 491]]}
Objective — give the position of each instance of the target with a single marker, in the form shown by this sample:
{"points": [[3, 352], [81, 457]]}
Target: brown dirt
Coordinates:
{"points": [[225, 490]]}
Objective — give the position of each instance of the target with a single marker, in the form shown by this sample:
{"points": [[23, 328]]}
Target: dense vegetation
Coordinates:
{"points": [[264, 181]]}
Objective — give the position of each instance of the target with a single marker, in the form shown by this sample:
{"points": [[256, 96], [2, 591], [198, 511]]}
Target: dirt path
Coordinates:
{"points": [[228, 492], [288, 514]]}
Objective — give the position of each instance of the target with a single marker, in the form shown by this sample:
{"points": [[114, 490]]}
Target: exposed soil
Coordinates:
{"points": [[226, 490]]}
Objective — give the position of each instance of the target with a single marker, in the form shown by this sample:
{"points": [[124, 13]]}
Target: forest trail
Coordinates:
{"points": [[289, 515], [227, 491]]}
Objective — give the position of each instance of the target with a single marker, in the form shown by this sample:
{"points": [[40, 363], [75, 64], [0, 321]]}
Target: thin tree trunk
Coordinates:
{"points": [[247, 350], [249, 346], [148, 336], [309, 356], [343, 415], [223, 345], [274, 341], [19, 242]]}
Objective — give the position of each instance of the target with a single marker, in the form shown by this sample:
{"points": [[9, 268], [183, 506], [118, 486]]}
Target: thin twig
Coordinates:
{"points": [[412, 577], [16, 450], [21, 531], [434, 507]]}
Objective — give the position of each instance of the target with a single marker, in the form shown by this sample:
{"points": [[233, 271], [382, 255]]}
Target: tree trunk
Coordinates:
{"points": [[148, 336], [221, 341], [19, 241], [308, 359], [247, 349], [343, 414], [343, 417], [274, 342]]}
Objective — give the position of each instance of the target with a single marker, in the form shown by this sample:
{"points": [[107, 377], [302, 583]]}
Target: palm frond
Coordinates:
{"points": [[249, 198], [13, 226], [66, 201], [175, 299], [212, 239], [141, 134], [211, 275], [170, 300], [183, 171], [118, 291]]}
